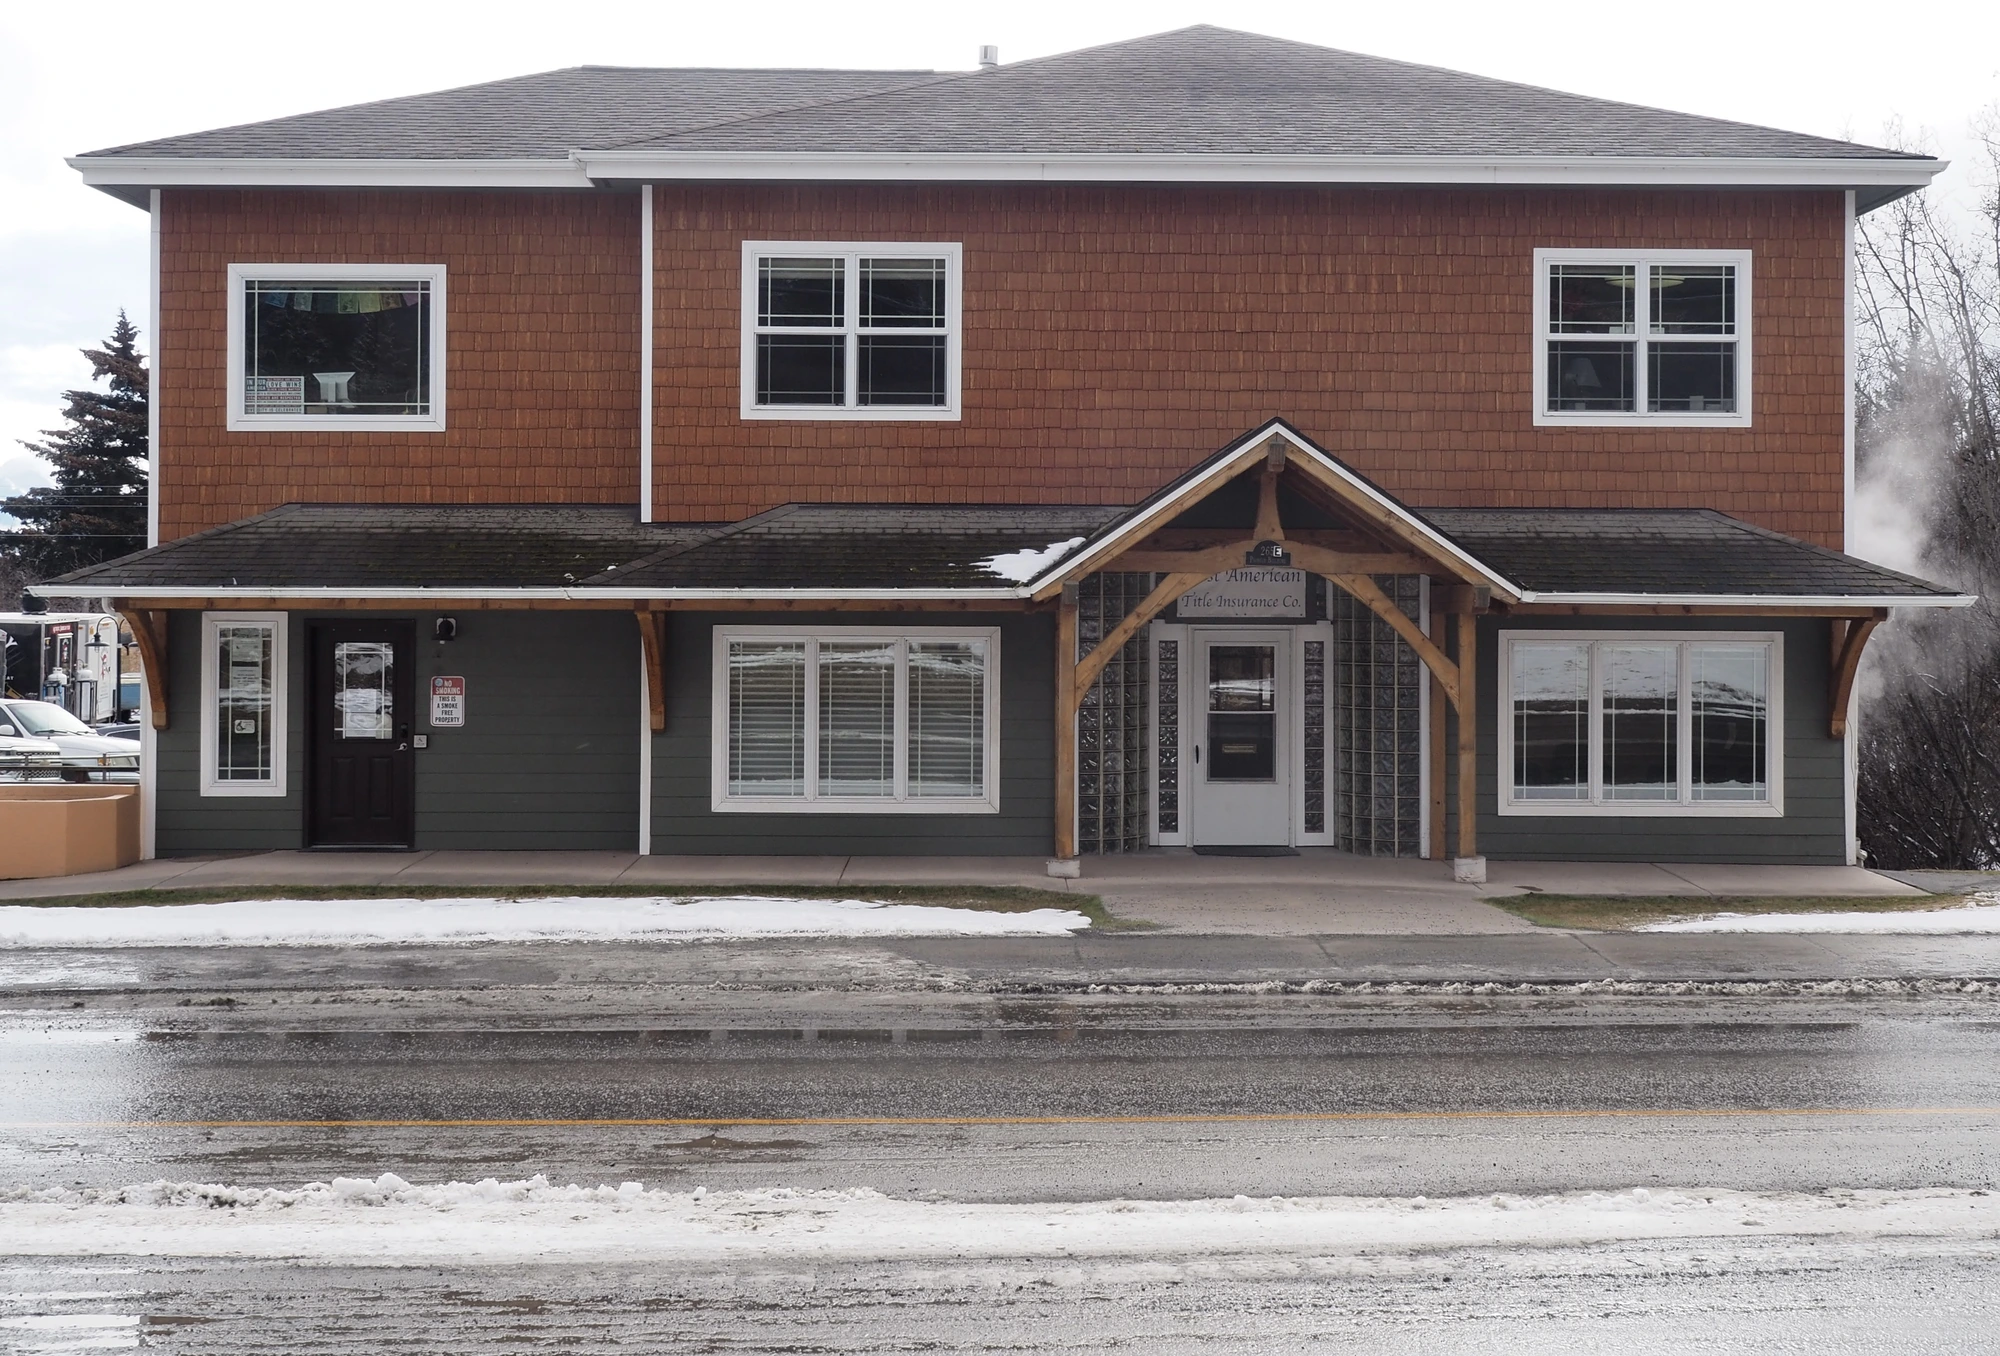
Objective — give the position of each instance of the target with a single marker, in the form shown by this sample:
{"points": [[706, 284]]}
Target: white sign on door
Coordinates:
{"points": [[1250, 592], [447, 702]]}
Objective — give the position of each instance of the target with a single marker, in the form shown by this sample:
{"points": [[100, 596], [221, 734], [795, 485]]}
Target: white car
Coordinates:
{"points": [[24, 759], [86, 755]]}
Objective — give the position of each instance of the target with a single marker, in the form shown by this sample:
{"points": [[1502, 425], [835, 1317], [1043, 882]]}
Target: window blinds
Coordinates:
{"points": [[869, 718]]}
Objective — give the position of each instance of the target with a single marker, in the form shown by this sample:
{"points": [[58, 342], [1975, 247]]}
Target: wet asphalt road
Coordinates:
{"points": [[1427, 1096], [1392, 1107]]}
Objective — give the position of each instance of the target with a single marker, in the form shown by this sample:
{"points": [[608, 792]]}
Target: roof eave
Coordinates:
{"points": [[1844, 600], [1869, 174], [573, 593], [131, 178], [1874, 180]]}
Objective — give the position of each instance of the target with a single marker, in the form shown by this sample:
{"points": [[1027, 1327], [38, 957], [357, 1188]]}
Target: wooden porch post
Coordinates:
{"points": [[1468, 865], [1065, 720], [1435, 848]]}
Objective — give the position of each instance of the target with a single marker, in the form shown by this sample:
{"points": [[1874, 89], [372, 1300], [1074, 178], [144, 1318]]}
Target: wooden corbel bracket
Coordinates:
{"points": [[1850, 637]]}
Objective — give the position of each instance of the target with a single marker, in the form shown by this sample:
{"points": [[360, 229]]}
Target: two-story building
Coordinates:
{"points": [[1205, 439]]}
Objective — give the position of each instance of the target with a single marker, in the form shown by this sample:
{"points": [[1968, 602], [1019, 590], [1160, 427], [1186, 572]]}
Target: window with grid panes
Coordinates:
{"points": [[1647, 338], [850, 331]]}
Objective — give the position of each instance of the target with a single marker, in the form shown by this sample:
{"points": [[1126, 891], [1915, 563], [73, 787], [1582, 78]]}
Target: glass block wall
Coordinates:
{"points": [[1167, 732], [1111, 726], [1376, 714]]}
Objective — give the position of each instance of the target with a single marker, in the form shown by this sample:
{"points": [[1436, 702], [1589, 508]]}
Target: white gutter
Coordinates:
{"points": [[182, 171], [1000, 594], [1587, 170], [428, 594], [584, 168], [1751, 599]]}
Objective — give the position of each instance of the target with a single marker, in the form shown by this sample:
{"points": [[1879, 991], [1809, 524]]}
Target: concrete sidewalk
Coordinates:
{"points": [[1319, 892]]}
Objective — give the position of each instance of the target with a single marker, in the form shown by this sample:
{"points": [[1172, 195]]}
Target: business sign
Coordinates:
{"points": [[1277, 594], [274, 395], [447, 701]]}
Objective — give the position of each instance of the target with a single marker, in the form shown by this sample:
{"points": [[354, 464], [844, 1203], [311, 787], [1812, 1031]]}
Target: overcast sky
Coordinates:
{"points": [[76, 78]]}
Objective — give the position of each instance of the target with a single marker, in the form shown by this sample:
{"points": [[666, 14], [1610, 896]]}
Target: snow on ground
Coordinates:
{"points": [[1983, 915], [387, 1218], [301, 922], [1021, 566]]}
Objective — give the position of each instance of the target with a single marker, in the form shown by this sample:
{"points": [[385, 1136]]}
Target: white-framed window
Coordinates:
{"points": [[850, 330], [1651, 337], [243, 703], [336, 346], [1641, 723], [857, 719]]}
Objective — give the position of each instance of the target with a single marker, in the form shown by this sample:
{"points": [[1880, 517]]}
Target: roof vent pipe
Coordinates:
{"points": [[989, 57]]}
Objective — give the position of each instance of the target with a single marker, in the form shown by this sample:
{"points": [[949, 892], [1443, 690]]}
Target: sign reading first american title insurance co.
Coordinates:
{"points": [[1277, 594]]}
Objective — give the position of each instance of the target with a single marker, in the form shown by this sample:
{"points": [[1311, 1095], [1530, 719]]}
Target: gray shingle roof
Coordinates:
{"points": [[1195, 91], [1663, 551], [543, 116], [861, 546], [335, 546], [1213, 90], [818, 547]]}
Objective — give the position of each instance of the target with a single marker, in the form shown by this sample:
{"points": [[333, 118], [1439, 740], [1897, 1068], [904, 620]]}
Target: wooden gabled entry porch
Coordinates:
{"points": [[1372, 535]]}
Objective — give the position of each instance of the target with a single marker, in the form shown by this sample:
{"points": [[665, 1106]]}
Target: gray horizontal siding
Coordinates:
{"points": [[1812, 830], [548, 757], [683, 821]]}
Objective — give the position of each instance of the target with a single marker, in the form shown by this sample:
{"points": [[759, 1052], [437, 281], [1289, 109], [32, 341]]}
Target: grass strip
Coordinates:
{"points": [[993, 898], [1619, 913]]}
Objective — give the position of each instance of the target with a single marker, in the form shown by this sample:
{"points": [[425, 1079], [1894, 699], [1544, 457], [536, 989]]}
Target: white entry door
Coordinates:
{"points": [[1240, 778]]}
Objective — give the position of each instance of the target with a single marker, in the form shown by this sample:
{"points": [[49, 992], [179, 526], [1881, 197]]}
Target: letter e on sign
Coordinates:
{"points": [[447, 702]]}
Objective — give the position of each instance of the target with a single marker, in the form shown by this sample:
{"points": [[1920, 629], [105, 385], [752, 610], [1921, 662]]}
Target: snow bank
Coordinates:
{"points": [[299, 922], [1982, 915], [1020, 566], [386, 1217]]}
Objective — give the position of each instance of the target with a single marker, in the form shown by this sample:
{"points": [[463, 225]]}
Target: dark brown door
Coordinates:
{"points": [[362, 701]]}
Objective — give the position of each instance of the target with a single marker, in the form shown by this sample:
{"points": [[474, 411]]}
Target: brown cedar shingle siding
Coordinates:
{"points": [[542, 395], [1115, 336]]}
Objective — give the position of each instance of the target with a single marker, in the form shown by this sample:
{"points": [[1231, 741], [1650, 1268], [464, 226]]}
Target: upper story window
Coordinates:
{"points": [[850, 331], [1646, 337], [315, 346]]}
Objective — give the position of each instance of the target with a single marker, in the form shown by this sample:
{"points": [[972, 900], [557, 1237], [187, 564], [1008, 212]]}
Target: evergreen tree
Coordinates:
{"points": [[96, 510]]}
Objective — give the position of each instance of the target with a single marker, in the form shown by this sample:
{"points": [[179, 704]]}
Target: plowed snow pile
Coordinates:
{"points": [[318, 922], [1982, 914], [359, 1219]]}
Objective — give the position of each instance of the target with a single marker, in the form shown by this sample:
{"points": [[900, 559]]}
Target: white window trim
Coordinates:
{"points": [[1774, 752], [722, 801], [1641, 417], [950, 251], [239, 422], [211, 623]]}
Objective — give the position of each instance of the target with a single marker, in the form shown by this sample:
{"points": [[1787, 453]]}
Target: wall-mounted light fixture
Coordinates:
{"points": [[447, 629]]}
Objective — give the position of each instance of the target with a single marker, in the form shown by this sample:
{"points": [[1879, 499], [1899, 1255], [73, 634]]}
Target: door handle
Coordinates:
{"points": [[402, 738], [1197, 755]]}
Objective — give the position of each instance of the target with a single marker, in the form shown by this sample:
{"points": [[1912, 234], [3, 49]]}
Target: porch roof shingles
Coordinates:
{"points": [[375, 546], [1694, 552], [860, 546], [835, 549]]}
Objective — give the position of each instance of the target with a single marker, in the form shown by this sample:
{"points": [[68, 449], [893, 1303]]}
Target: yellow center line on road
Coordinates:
{"points": [[1180, 1118]]}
